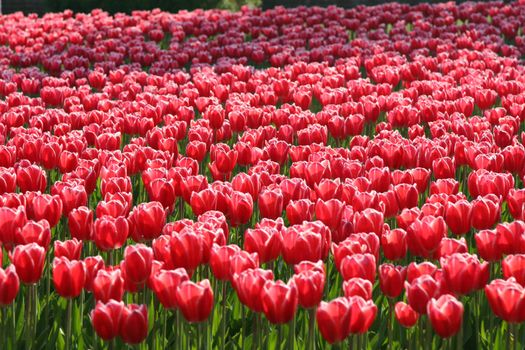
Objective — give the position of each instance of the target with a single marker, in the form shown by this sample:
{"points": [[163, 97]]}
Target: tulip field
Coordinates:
{"points": [[306, 178]]}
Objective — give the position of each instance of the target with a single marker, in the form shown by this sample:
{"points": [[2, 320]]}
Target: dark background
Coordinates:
{"points": [[112, 6]]}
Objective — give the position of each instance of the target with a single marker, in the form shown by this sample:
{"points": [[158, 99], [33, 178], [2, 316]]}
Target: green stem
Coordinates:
{"points": [[68, 323], [279, 336], [428, 334], [28, 316], [291, 334], [390, 323], [223, 315], [311, 328], [459, 344]]}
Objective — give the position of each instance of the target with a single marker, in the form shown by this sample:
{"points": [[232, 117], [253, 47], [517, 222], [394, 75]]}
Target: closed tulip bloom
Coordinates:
{"points": [[405, 315], [329, 212], [362, 314], [464, 273], [34, 232], [357, 286], [394, 244], [506, 299], [424, 235], [359, 265], [220, 260], [134, 324], [10, 221], [195, 300], [137, 262], [105, 318], [147, 221], [29, 261], [449, 246], [369, 220], [445, 315], [9, 285], [299, 210], [266, 242], [457, 216], [110, 233], [165, 284], [80, 223], [415, 270], [70, 249], [333, 318], [93, 264], [270, 203], [46, 206], [420, 291], [305, 242], [241, 208], [30, 177], [485, 212], [514, 266], [279, 301], [249, 284], [487, 245], [68, 277], [187, 250], [72, 197], [108, 285], [391, 279], [242, 260], [310, 287]]}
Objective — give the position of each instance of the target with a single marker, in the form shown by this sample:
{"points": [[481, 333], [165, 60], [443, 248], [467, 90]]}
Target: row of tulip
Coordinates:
{"points": [[263, 179]]}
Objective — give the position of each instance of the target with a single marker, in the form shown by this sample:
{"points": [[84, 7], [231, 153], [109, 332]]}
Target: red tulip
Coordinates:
{"points": [[485, 212], [424, 235], [106, 317], [464, 273], [187, 250], [391, 279], [241, 208], [80, 223], [249, 284], [333, 319], [137, 263], [507, 299], [445, 315], [93, 264], [220, 260], [110, 233], [10, 221], [147, 221], [310, 287], [68, 277], [279, 301], [299, 210], [133, 328], [9, 285], [405, 315], [71, 249], [165, 284], [195, 300], [362, 314], [457, 216], [108, 285], [29, 262], [359, 265], [266, 242], [34, 232], [270, 203], [309, 241], [394, 244], [46, 206], [487, 245], [514, 266], [420, 291], [357, 286]]}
